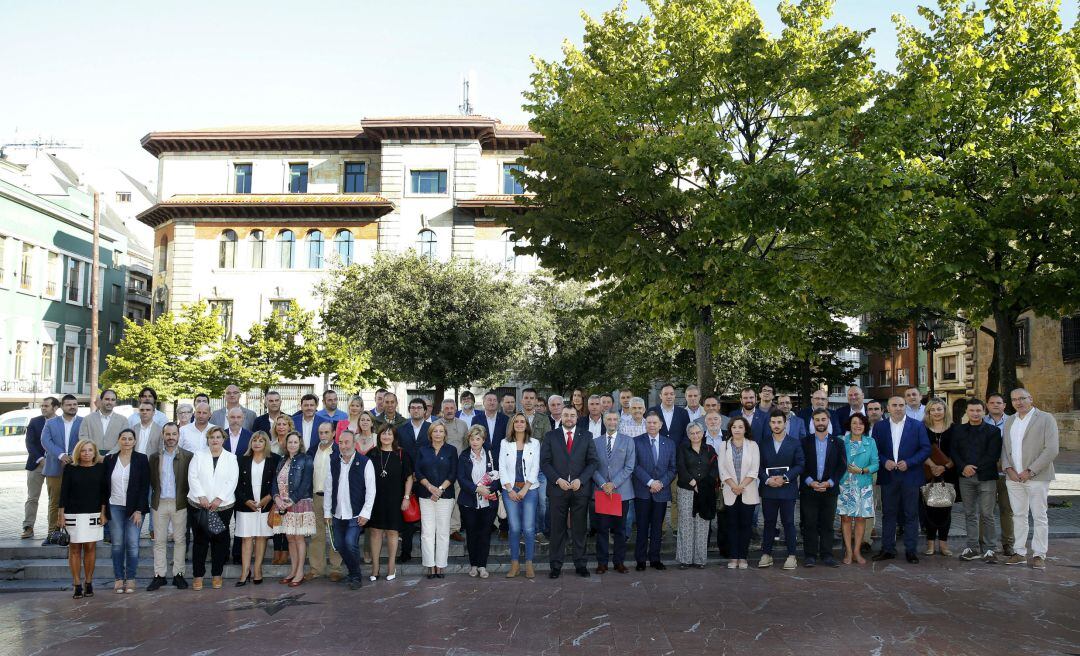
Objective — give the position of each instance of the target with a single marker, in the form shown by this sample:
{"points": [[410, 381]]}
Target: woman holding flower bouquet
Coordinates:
{"points": [[478, 477]]}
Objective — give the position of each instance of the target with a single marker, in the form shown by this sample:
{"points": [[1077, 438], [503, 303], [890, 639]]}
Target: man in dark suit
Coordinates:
{"points": [[903, 446], [826, 462], [35, 463], [412, 435], [759, 420], [236, 436], [782, 464], [819, 400], [855, 404], [265, 422], [307, 422], [568, 459], [654, 470], [673, 419]]}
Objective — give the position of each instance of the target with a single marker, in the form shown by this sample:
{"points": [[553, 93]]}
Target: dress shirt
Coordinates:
{"points": [[67, 430], [610, 442], [696, 413], [1016, 434], [915, 413], [668, 415], [320, 466], [491, 421], [143, 440], [596, 427], [105, 420], [897, 433], [306, 425], [631, 428], [715, 441], [192, 439], [654, 444], [234, 440], [1000, 425], [479, 469], [344, 500], [821, 448], [168, 477]]}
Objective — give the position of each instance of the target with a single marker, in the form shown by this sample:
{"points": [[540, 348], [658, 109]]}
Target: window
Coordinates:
{"points": [[74, 281], [298, 176], [355, 177], [281, 307], [315, 249], [86, 369], [922, 375], [509, 256], [114, 332], [123, 196], [163, 254], [428, 182], [26, 268], [21, 352], [1070, 338], [510, 185], [902, 341], [901, 377], [257, 239], [116, 293], [70, 363], [47, 362], [241, 178], [286, 243], [53, 274], [1022, 335], [227, 250], [948, 367], [427, 244], [223, 311], [343, 243]]}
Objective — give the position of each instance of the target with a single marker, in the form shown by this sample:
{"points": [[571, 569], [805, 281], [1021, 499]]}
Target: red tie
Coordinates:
{"points": [[569, 441]]}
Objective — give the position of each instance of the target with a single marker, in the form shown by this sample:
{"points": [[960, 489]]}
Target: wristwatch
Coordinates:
{"points": [[786, 481], [407, 497]]}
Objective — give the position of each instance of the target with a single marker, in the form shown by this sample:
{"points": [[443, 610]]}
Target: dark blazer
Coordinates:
{"points": [[412, 441], [579, 464], [301, 483], [648, 468], [790, 456], [266, 484], [436, 469], [702, 467], [245, 437], [976, 445], [806, 413], [263, 423], [180, 472], [842, 417], [680, 420], [759, 427], [495, 441], [138, 489], [313, 441], [835, 462], [34, 450], [467, 492], [914, 450]]}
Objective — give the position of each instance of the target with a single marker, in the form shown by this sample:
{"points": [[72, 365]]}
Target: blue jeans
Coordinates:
{"points": [[125, 543], [522, 518], [346, 533], [543, 519]]}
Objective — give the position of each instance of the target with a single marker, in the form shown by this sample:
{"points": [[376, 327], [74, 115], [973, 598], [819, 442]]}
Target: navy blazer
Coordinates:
{"points": [[790, 456], [467, 492], [298, 424], [680, 421], [806, 413], [301, 478], [138, 489], [835, 462], [580, 463], [266, 483], [495, 441], [647, 468], [262, 423], [436, 469], [245, 438], [759, 427], [52, 440], [34, 450], [410, 440], [914, 450]]}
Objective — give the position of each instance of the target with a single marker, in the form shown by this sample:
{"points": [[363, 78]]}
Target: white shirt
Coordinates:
{"points": [[596, 427], [479, 469], [492, 437], [120, 476], [233, 440], [668, 415], [105, 419], [256, 479], [67, 430], [344, 501], [1016, 434], [305, 430], [192, 439], [897, 433], [144, 438]]}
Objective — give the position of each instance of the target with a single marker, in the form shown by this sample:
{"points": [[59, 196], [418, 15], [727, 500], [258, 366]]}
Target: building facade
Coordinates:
{"points": [[898, 369]]}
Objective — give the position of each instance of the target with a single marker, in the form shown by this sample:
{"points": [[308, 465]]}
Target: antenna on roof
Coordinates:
{"points": [[466, 107]]}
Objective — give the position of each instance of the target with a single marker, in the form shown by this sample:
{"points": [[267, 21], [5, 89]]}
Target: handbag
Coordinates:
{"points": [[209, 521], [938, 494], [60, 537], [273, 518], [412, 513]]}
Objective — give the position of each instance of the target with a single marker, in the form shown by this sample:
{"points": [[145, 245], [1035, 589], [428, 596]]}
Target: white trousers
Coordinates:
{"points": [[435, 530], [1033, 496]]}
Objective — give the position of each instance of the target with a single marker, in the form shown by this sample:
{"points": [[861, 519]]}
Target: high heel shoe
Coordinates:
{"points": [[240, 584], [256, 581], [391, 577]]}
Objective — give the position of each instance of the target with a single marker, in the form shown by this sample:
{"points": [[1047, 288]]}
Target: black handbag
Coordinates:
{"points": [[60, 537], [209, 521]]}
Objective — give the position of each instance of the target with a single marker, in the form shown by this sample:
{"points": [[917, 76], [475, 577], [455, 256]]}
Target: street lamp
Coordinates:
{"points": [[930, 341]]}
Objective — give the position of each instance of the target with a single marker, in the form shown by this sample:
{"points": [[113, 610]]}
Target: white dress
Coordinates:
{"points": [[253, 524]]}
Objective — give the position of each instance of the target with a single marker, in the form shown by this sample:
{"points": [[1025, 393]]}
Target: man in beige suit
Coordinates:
{"points": [[103, 426], [1029, 446]]}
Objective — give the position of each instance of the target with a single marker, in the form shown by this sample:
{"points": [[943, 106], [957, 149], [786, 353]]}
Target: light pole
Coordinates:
{"points": [[929, 340]]}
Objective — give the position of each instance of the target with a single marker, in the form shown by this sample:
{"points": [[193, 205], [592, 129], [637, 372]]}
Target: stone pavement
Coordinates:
{"points": [[941, 606]]}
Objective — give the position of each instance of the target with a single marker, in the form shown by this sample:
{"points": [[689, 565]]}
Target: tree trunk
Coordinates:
{"points": [[992, 374], [703, 336], [1005, 351], [436, 399]]}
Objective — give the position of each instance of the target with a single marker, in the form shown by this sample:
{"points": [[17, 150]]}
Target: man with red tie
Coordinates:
{"points": [[568, 459]]}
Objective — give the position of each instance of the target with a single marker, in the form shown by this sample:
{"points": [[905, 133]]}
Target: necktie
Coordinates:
{"points": [[656, 450], [569, 441], [610, 444]]}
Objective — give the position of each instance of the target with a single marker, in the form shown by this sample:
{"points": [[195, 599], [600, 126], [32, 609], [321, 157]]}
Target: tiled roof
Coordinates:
{"points": [[274, 199], [259, 206]]}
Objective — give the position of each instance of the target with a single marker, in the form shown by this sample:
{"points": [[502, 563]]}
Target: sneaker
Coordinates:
{"points": [[473, 572], [990, 558], [1038, 562], [732, 564], [969, 554], [791, 563], [1016, 559], [766, 561], [178, 582], [1008, 551], [27, 533], [155, 583], [483, 572], [743, 564]]}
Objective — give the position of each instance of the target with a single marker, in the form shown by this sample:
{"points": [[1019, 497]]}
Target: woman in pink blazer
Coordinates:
{"points": [[739, 463]]}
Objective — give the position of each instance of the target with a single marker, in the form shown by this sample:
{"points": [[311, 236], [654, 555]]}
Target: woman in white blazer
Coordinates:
{"points": [[212, 477], [739, 463], [519, 469]]}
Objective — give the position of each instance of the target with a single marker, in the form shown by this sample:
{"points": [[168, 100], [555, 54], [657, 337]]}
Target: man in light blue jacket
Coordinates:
{"points": [[58, 438], [613, 476]]}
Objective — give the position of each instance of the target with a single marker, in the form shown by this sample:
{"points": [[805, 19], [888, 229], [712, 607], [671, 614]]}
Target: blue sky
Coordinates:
{"points": [[102, 74]]}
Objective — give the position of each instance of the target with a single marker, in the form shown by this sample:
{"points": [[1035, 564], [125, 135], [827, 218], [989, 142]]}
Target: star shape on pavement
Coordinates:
{"points": [[273, 606]]}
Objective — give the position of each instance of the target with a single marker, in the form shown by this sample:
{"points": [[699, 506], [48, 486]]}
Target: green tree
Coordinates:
{"points": [[687, 160], [979, 133], [284, 346], [345, 364], [176, 354], [433, 323]]}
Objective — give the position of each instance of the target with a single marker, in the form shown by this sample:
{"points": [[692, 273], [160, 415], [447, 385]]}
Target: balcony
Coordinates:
{"points": [[138, 294]]}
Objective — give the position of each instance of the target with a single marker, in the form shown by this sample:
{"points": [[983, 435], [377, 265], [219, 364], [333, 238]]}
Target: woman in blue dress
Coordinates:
{"points": [[857, 486]]}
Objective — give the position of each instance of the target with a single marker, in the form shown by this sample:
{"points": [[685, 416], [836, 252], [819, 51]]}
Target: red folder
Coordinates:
{"points": [[608, 505]]}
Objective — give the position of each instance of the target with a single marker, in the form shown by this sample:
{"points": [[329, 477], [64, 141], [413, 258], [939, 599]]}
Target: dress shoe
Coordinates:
{"points": [[601, 569], [911, 558], [658, 565], [583, 572], [240, 584], [554, 573], [621, 569], [829, 561], [640, 566], [178, 582], [883, 555], [456, 536], [155, 583], [1016, 559]]}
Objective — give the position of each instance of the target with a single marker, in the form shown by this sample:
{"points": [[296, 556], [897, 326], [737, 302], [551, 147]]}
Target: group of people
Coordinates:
{"points": [[228, 481]]}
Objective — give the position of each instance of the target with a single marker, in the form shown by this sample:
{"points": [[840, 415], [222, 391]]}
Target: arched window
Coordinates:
{"points": [[257, 239], [286, 242], [227, 250], [163, 254], [343, 243], [427, 244], [315, 249]]}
